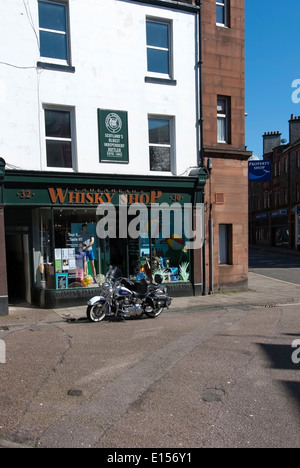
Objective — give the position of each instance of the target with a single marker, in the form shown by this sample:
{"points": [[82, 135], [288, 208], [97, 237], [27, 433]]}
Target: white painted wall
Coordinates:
{"points": [[108, 48]]}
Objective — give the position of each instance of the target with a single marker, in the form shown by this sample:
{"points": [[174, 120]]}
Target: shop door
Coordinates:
{"points": [[18, 267]]}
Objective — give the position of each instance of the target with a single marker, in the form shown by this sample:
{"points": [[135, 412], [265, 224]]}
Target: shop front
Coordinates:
{"points": [[63, 231]]}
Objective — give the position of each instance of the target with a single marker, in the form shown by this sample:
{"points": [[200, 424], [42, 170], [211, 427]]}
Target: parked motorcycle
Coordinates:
{"points": [[124, 298]]}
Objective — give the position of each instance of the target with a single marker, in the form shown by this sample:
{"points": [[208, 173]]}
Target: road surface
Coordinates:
{"points": [[279, 266]]}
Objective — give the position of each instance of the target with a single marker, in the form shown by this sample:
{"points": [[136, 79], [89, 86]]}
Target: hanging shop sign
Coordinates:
{"points": [[113, 136], [259, 171]]}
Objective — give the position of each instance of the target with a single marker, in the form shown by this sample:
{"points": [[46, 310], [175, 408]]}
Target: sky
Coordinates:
{"points": [[272, 66]]}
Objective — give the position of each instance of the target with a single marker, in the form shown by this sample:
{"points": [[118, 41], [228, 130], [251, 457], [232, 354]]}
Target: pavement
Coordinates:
{"points": [[213, 371], [261, 291]]}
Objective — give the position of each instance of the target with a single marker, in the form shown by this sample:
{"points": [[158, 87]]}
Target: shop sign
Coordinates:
{"points": [[262, 216], [259, 171], [113, 136], [90, 196], [280, 213], [94, 197]]}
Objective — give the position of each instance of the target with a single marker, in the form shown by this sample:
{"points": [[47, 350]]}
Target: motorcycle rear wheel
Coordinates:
{"points": [[96, 312], [155, 313]]}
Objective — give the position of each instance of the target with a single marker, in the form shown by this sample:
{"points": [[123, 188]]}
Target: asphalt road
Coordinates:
{"points": [[279, 266], [222, 377]]}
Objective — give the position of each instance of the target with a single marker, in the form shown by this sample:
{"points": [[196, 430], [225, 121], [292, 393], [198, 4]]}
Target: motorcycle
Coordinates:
{"points": [[124, 298]]}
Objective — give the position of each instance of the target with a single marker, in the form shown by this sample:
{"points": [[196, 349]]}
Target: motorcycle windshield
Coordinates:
{"points": [[113, 274]]}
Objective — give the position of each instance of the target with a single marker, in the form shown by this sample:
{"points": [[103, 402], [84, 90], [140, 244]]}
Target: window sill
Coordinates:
{"points": [[56, 67], [162, 81], [221, 25]]}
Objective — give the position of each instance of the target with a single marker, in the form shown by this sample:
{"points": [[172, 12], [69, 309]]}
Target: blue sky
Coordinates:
{"points": [[272, 64]]}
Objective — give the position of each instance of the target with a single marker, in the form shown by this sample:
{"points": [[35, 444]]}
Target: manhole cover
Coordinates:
{"points": [[212, 395]]}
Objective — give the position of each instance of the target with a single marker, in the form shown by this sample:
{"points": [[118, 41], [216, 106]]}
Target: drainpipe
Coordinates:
{"points": [[200, 78], [200, 136]]}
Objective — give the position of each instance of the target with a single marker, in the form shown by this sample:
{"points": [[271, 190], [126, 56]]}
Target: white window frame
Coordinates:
{"points": [[169, 50], [71, 140], [224, 118], [63, 33], [171, 145], [224, 5]]}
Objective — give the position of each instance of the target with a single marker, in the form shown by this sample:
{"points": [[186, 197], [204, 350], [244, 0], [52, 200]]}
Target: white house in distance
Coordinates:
{"points": [[99, 98]]}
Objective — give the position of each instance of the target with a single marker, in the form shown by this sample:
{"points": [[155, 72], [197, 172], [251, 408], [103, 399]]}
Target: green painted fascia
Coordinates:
{"points": [[49, 178]]}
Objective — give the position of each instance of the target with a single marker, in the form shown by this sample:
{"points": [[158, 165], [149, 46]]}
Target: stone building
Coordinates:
{"points": [[111, 101], [274, 206]]}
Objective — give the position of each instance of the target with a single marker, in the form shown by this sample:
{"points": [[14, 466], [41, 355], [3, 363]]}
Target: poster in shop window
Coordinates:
{"points": [[113, 136]]}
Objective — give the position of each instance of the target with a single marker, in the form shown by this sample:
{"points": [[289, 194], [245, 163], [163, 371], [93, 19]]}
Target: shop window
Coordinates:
{"points": [[59, 144], [54, 31], [160, 148], [159, 47], [225, 244], [62, 261]]}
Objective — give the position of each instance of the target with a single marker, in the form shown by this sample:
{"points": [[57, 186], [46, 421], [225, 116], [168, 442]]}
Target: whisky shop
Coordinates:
{"points": [[53, 254]]}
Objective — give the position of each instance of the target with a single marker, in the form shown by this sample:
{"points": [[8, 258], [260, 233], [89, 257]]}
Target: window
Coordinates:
{"points": [[160, 144], [158, 47], [298, 192], [59, 138], [53, 23], [222, 12], [223, 107], [286, 195], [225, 244]]}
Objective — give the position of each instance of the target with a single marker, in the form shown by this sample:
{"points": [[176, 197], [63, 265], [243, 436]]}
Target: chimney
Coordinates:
{"points": [[294, 127], [270, 141]]}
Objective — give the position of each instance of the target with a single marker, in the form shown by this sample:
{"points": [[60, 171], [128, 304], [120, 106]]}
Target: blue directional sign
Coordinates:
{"points": [[259, 171]]}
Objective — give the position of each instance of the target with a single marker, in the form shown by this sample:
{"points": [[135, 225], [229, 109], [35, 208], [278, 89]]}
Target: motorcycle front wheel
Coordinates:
{"points": [[96, 312], [155, 313]]}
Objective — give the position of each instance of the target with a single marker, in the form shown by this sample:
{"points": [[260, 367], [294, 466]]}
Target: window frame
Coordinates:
{"points": [[72, 140], [225, 118], [224, 4], [226, 256], [298, 159], [169, 23], [53, 60], [170, 145]]}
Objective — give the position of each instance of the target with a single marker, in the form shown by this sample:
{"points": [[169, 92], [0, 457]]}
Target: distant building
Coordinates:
{"points": [[274, 206]]}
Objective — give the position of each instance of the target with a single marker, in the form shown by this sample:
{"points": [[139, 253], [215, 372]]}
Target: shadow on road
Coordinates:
{"points": [[280, 357]]}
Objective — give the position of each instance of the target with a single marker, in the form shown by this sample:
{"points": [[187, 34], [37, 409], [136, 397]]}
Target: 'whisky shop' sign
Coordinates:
{"points": [[59, 196], [72, 196]]}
